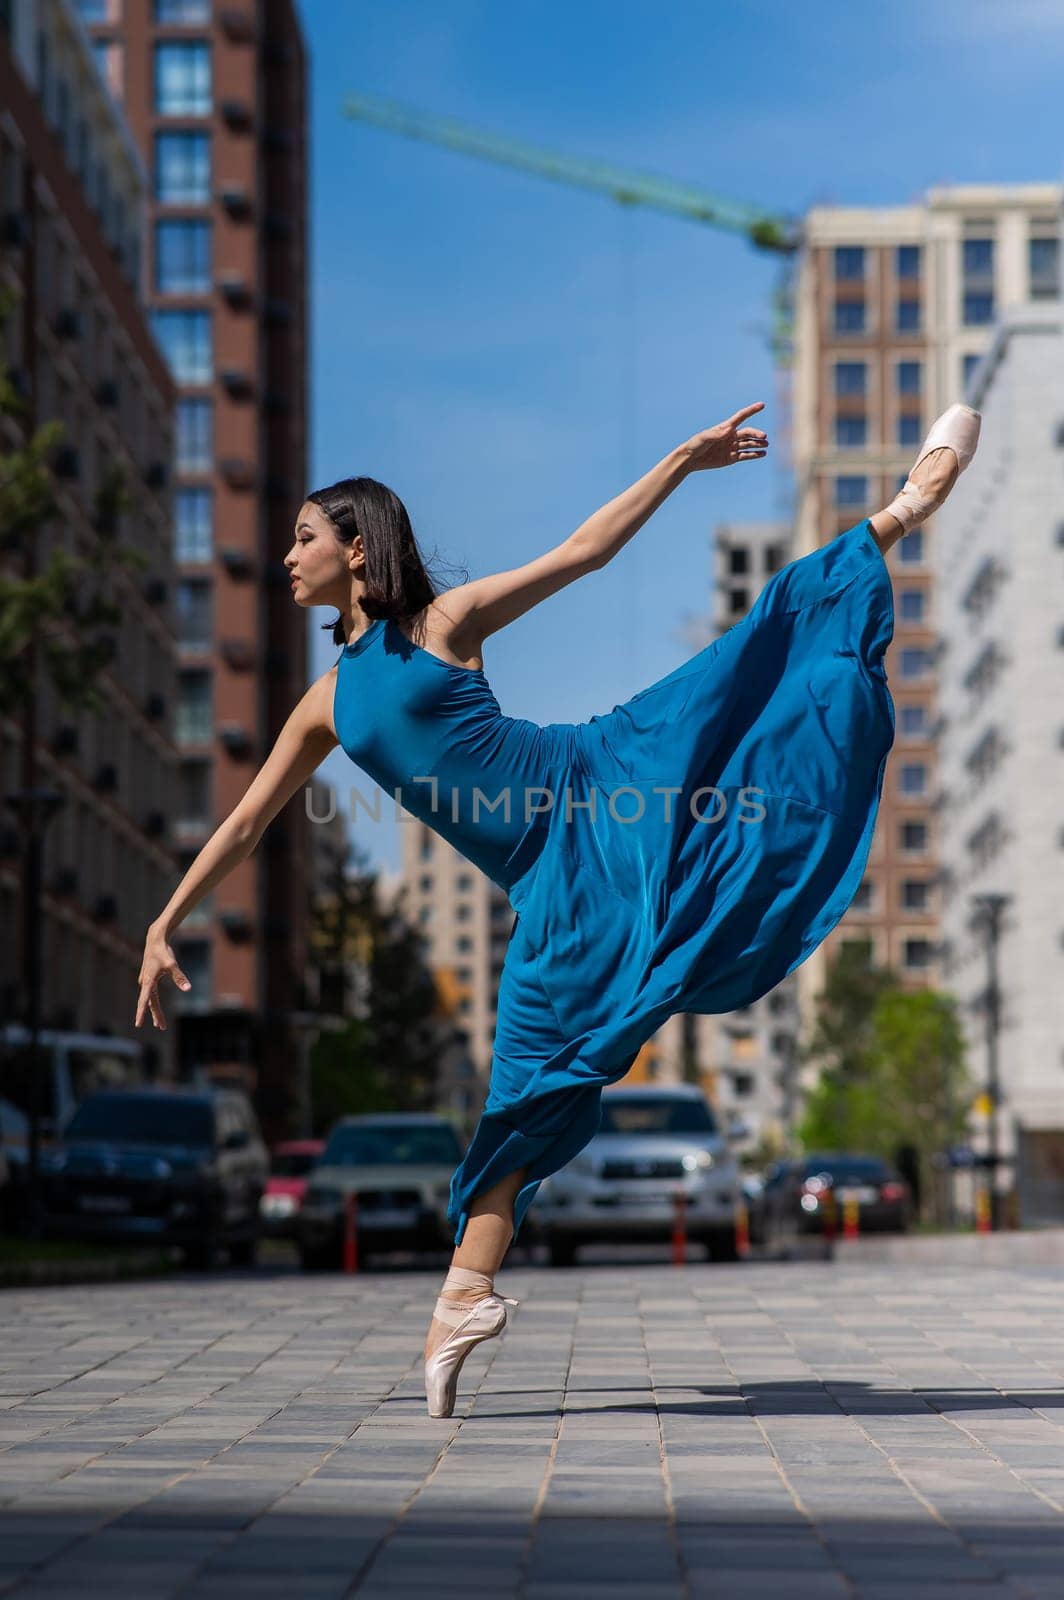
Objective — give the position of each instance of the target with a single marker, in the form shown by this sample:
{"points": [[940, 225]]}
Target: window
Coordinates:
{"points": [[182, 78], [193, 524], [194, 612], [183, 168], [914, 722], [93, 10], [913, 778], [907, 261], [850, 377], [862, 900], [774, 557], [195, 435], [738, 601], [916, 954], [907, 316], [851, 492], [1043, 265], [909, 430], [911, 605], [738, 563], [912, 837], [849, 262], [177, 11], [915, 894], [742, 1083], [915, 662], [849, 316], [194, 794], [425, 882], [851, 432], [909, 376], [968, 366], [107, 53], [978, 308], [185, 339], [977, 259], [911, 549], [194, 706], [183, 256]]}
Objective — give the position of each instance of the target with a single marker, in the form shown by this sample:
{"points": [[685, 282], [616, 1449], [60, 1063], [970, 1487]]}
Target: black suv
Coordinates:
{"points": [[160, 1166]]}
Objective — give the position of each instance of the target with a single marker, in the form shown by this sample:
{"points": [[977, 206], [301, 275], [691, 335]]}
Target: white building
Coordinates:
{"points": [[999, 559]]}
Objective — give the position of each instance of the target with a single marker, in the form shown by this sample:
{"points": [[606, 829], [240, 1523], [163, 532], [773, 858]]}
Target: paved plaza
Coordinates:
{"points": [[640, 1431]]}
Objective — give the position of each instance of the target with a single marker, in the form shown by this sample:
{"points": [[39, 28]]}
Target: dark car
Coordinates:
{"points": [[160, 1166], [399, 1165], [799, 1195]]}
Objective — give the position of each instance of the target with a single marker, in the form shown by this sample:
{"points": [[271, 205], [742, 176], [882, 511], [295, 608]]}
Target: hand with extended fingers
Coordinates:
{"points": [[727, 443], [159, 961]]}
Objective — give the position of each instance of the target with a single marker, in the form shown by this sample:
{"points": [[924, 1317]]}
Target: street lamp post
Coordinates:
{"points": [[34, 808], [988, 910]]}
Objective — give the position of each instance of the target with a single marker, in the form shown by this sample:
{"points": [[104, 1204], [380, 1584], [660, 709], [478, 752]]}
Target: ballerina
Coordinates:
{"points": [[755, 768]]}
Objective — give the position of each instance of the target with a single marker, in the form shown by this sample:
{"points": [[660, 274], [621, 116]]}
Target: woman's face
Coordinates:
{"points": [[318, 564]]}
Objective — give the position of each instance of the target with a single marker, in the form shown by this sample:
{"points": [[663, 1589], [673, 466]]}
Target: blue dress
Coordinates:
{"points": [[683, 852]]}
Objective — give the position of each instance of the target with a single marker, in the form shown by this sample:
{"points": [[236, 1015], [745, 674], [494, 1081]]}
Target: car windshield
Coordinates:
{"points": [[655, 1114], [847, 1169], [392, 1147], [143, 1119], [292, 1164]]}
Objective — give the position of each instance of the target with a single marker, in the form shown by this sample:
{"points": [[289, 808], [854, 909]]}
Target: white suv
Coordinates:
{"points": [[652, 1141]]}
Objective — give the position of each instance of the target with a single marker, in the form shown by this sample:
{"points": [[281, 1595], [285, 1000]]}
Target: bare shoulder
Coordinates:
{"points": [[447, 629]]}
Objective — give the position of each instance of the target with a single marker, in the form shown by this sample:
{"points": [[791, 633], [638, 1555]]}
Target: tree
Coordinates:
{"points": [[386, 1056], [892, 1081]]}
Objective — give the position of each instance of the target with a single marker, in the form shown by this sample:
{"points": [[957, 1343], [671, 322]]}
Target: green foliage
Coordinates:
{"points": [[387, 1058], [892, 1070], [56, 615]]}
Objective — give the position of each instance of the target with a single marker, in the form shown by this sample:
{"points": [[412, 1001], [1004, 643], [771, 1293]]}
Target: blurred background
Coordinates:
{"points": [[504, 259]]}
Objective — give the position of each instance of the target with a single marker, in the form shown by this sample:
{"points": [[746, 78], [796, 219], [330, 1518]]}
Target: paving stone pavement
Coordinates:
{"points": [[643, 1432]]}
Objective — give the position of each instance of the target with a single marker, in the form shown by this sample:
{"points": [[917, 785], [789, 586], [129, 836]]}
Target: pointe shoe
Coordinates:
{"points": [[958, 430], [473, 1322]]}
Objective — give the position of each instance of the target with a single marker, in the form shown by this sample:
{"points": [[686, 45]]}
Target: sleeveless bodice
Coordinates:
{"points": [[434, 737]]}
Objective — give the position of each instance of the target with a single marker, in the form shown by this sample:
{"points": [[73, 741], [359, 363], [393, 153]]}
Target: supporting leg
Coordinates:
{"points": [[488, 1231]]}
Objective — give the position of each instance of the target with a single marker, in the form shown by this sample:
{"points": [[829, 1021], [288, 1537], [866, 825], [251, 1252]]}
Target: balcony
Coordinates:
{"points": [[237, 115], [238, 473], [234, 290], [236, 383], [238, 654], [235, 201], [236, 739], [237, 562]]}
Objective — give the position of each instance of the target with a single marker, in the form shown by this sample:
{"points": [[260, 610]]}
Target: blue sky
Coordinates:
{"points": [[508, 354]]}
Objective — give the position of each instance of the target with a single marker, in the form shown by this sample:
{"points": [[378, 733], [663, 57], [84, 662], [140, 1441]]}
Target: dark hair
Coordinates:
{"points": [[397, 581]]}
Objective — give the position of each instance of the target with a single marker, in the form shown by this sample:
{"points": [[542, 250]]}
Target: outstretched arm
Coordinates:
{"points": [[610, 529]]}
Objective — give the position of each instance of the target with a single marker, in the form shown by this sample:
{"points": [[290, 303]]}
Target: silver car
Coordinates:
{"points": [[399, 1164], [652, 1141]]}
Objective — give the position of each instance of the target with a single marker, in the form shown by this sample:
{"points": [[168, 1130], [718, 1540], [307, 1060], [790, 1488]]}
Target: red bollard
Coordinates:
{"points": [[742, 1229], [830, 1220], [983, 1217], [679, 1228], [350, 1263], [851, 1218]]}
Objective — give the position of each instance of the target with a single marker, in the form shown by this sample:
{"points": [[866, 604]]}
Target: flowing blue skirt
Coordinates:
{"points": [[719, 826]]}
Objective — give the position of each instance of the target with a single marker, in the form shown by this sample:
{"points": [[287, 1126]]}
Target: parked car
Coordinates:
{"points": [[175, 1166], [799, 1194], [651, 1141], [291, 1164], [399, 1165]]}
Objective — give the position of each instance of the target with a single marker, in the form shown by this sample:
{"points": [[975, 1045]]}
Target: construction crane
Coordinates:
{"points": [[765, 230]]}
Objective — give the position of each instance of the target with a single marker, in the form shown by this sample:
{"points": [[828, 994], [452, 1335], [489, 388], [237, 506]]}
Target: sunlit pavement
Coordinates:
{"points": [[639, 1430]]}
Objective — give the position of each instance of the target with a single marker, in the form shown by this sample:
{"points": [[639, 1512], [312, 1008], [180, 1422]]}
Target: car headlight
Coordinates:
{"points": [[277, 1205], [697, 1161]]}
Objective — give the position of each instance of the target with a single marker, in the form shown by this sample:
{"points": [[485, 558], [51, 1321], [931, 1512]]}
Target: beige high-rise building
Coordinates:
{"points": [[895, 307]]}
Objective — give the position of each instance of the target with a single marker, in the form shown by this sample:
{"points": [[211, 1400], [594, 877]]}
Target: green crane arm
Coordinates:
{"points": [[765, 230]]}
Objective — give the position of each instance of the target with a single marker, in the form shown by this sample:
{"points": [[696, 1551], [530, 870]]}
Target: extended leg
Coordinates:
{"points": [[488, 1231], [936, 475]]}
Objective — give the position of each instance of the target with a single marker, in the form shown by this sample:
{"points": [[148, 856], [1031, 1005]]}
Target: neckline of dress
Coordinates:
{"points": [[451, 666]]}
